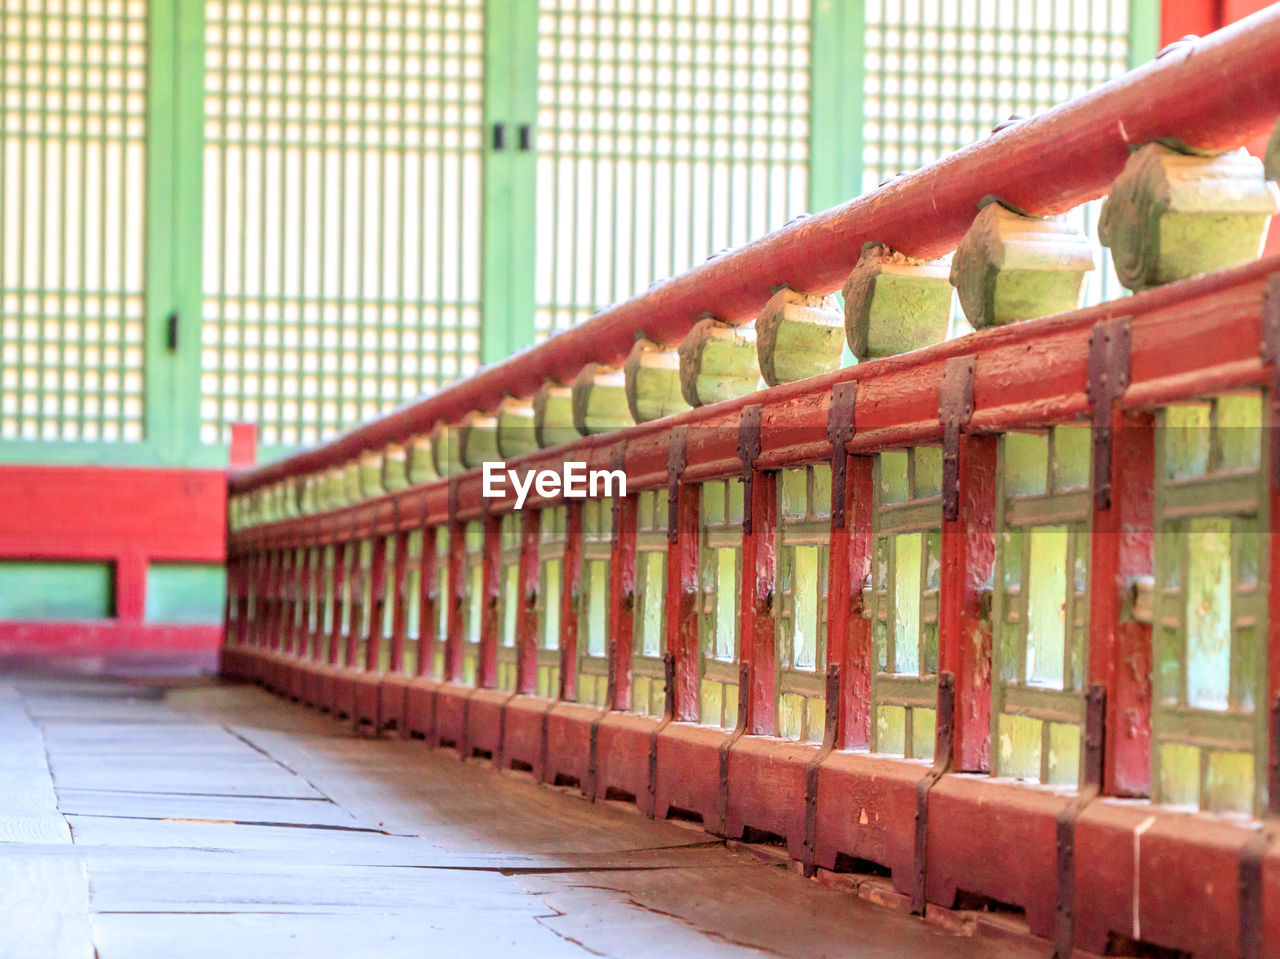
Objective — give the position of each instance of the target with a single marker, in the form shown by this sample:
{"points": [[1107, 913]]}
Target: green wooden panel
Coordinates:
{"points": [[804, 527], [185, 593], [1210, 619], [56, 590], [1040, 604], [903, 605]]}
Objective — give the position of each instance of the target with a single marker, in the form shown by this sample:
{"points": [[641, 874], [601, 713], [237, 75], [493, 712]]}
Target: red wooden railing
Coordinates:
{"points": [[948, 832]]}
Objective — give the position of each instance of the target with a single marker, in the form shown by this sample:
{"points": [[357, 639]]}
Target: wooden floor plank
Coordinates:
{"points": [[44, 907], [219, 821], [247, 936], [161, 805]]}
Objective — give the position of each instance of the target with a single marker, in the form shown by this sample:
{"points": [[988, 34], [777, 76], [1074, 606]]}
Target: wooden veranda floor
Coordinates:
{"points": [[215, 820]]}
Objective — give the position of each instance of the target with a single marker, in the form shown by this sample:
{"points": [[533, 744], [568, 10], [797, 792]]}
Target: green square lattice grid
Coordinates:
{"points": [[1209, 615], [342, 209], [904, 600], [73, 129], [667, 130], [1040, 604], [804, 531]]}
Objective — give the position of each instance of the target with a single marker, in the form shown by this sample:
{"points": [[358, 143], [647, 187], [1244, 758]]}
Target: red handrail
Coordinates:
{"points": [[1217, 93]]}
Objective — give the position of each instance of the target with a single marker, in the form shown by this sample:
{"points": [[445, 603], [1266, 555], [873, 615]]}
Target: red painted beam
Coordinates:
{"points": [[96, 512], [111, 646]]}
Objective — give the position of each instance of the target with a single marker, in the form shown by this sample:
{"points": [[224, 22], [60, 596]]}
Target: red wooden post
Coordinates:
{"points": [[622, 601], [1271, 771], [682, 604], [339, 589], [131, 585], [377, 603], [244, 445], [306, 597], [400, 601], [279, 597], [457, 601], [229, 606], [271, 599], [570, 587], [428, 602], [849, 634], [1120, 651], [756, 603], [243, 572], [253, 595], [355, 627], [293, 600], [964, 641], [315, 637], [491, 583], [527, 619]]}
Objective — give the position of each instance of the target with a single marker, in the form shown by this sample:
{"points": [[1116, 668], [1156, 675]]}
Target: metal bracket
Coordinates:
{"points": [[1271, 355], [675, 469], [1108, 379], [830, 736], [841, 425], [668, 716], [749, 452], [593, 750], [945, 738], [1255, 850], [955, 409], [739, 730], [1095, 731]]}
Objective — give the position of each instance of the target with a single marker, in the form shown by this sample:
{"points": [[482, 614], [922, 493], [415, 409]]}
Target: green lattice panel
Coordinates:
{"points": [[342, 209], [903, 600], [804, 532], [553, 533], [508, 598], [667, 130], [1209, 610], [593, 604], [648, 690], [73, 171], [721, 512], [941, 74], [1040, 604]]}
